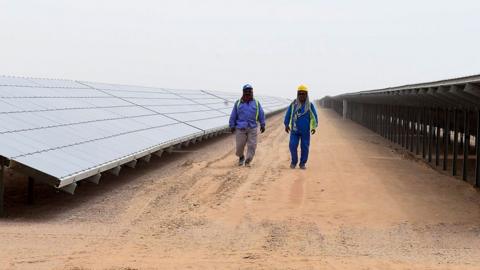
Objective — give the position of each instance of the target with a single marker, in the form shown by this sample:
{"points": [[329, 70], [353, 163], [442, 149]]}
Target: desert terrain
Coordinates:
{"points": [[361, 204]]}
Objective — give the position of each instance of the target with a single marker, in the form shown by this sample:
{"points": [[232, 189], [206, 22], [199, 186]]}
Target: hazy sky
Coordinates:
{"points": [[332, 46]]}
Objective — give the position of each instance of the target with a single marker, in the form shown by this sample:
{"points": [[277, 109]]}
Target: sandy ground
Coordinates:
{"points": [[360, 205]]}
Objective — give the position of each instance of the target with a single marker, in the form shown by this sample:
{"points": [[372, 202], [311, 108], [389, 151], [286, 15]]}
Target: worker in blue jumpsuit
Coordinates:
{"points": [[301, 120]]}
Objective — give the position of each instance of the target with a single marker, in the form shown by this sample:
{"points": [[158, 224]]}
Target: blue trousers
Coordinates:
{"points": [[304, 139]]}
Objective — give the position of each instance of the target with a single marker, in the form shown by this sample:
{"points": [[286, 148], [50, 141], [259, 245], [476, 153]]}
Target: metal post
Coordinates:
{"points": [[397, 127], [372, 118], [344, 109], [417, 131], [382, 113], [364, 113], [393, 124], [460, 145], [409, 129], [366, 120], [405, 128], [31, 190], [361, 107], [455, 142], [356, 112], [389, 123], [402, 127], [406, 122], [411, 126], [351, 111], [369, 117], [446, 138], [2, 178], [424, 133], [378, 119], [477, 148], [385, 121], [383, 116], [351, 108], [437, 136], [466, 144], [430, 134]]}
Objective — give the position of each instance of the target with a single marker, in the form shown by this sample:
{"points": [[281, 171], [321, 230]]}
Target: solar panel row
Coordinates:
{"points": [[68, 131]]}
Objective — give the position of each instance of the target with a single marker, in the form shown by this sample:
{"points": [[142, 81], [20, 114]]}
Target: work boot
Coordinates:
{"points": [[292, 166], [241, 160], [247, 162], [302, 166]]}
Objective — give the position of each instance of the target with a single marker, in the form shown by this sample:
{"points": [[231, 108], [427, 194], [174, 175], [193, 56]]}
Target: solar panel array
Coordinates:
{"points": [[72, 130]]}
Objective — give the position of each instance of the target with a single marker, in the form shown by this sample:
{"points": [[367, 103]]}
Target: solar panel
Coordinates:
{"points": [[66, 131]]}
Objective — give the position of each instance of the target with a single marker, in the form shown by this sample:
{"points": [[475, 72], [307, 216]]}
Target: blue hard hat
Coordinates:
{"points": [[247, 87]]}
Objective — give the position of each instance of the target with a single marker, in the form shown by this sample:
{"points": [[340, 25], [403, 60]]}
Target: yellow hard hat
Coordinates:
{"points": [[303, 87]]}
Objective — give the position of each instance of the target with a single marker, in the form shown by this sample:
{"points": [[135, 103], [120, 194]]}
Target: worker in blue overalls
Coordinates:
{"points": [[301, 120]]}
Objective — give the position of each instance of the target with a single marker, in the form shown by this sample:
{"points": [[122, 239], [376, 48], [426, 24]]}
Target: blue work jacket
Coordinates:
{"points": [[246, 115], [304, 123]]}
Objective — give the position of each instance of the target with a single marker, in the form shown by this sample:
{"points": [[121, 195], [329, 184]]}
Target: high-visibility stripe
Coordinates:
{"points": [[292, 108]]}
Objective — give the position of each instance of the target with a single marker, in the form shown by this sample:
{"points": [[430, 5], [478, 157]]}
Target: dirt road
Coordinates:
{"points": [[359, 205]]}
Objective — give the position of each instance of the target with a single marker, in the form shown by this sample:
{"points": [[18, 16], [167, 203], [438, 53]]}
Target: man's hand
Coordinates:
{"points": [[287, 129], [232, 129], [313, 131], [262, 129]]}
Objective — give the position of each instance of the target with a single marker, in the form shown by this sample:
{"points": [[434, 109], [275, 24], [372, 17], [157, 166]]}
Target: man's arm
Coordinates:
{"points": [[286, 122], [312, 108], [233, 116], [261, 115], [314, 112]]}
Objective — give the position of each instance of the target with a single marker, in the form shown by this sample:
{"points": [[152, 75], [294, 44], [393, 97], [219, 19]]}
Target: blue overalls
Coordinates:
{"points": [[300, 130]]}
